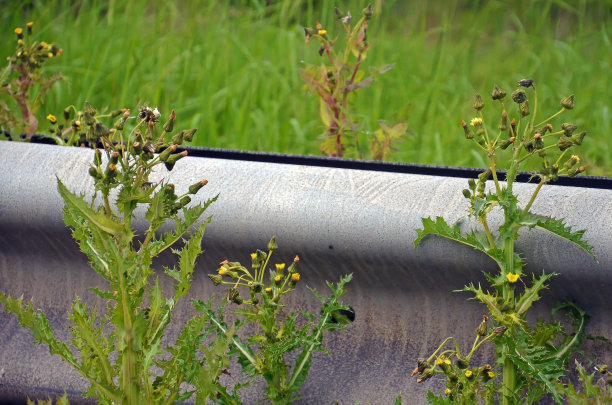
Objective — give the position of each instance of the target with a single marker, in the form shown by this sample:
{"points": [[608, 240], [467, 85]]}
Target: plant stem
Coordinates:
{"points": [[533, 197]]}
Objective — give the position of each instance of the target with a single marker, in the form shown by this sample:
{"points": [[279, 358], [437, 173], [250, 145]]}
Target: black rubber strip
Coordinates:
{"points": [[356, 164]]}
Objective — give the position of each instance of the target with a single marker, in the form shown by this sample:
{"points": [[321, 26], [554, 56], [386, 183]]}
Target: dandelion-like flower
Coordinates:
{"points": [[475, 122], [295, 277], [468, 373], [512, 278], [51, 118], [222, 271]]}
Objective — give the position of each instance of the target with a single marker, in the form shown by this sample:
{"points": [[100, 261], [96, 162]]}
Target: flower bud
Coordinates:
{"points": [[503, 124], [169, 126], [234, 295], [172, 159], [575, 171], [497, 93], [426, 375], [93, 172], [568, 129], [467, 194], [524, 108], [513, 127], [538, 142], [368, 12], [472, 184], [578, 138], [519, 96], [114, 157], [525, 82], [603, 369], [466, 130], [216, 278], [565, 143], [136, 148], [185, 200], [571, 162], [478, 103], [256, 287], [272, 245], [484, 176], [339, 14], [504, 144], [568, 102], [261, 255], [163, 156], [499, 331], [188, 135], [481, 330], [462, 363], [308, 32], [194, 188]]}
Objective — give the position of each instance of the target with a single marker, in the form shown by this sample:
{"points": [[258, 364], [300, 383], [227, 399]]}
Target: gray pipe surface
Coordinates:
{"points": [[339, 221]]}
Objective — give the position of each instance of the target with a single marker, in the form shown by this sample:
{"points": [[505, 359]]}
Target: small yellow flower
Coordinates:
{"points": [[43, 44], [253, 256], [447, 362], [439, 362], [18, 31], [268, 289], [491, 374], [447, 391], [222, 271], [512, 278], [468, 373], [30, 24], [295, 277], [277, 279], [280, 266], [476, 122], [52, 118], [322, 32]]}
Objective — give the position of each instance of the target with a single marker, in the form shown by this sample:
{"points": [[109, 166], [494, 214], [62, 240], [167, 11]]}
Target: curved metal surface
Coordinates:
{"points": [[339, 221]]}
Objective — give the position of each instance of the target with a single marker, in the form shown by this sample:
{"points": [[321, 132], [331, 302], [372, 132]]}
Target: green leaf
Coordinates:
{"points": [[531, 294], [98, 219], [558, 227]]}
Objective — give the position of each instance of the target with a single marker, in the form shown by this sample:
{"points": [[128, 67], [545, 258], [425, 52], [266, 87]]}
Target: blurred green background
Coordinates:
{"points": [[230, 68]]}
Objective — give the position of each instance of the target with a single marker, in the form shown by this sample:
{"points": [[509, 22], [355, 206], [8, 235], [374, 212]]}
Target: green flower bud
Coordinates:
{"points": [[519, 96], [89, 114], [185, 200], [538, 142], [524, 108], [256, 287], [565, 143], [499, 331], [339, 14], [462, 363], [272, 246], [188, 135], [234, 295], [368, 12], [426, 375], [66, 113], [575, 171], [261, 255], [571, 162], [568, 102], [603, 369], [568, 129], [216, 278], [93, 172], [484, 176], [466, 130], [503, 124], [504, 144], [308, 32], [481, 330], [163, 156], [478, 103], [169, 126], [172, 159], [578, 138], [466, 193], [472, 184], [116, 113], [178, 138], [497, 93], [195, 187]]}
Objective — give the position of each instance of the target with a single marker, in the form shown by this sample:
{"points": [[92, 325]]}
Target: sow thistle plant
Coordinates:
{"points": [[264, 353], [119, 348], [23, 82], [337, 81], [529, 360]]}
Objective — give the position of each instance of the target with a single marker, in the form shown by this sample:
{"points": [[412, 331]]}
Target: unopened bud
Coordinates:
{"points": [[66, 114], [426, 375], [499, 331], [466, 130], [568, 129], [576, 171], [497, 93], [194, 188], [519, 96], [466, 193], [504, 144], [114, 157], [526, 82], [571, 162], [216, 278], [513, 127], [163, 156], [484, 176], [578, 138], [603, 369], [503, 124], [524, 108], [462, 363], [188, 136], [538, 142], [472, 184], [565, 143], [478, 103], [339, 14], [169, 126], [234, 295], [568, 102], [272, 246], [481, 330], [368, 12]]}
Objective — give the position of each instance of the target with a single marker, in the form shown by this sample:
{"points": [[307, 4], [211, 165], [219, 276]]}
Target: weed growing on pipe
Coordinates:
{"points": [[526, 366]]}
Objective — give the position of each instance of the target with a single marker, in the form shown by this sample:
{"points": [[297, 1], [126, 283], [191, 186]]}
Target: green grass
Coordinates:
{"points": [[230, 68]]}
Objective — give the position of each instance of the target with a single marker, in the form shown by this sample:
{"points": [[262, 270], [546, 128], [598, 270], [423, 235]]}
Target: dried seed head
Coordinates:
{"points": [[568, 129], [525, 82], [503, 124], [499, 331], [524, 108], [368, 12], [565, 143]]}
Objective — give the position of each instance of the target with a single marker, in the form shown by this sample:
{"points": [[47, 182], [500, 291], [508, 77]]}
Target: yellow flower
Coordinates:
{"points": [[468, 373], [18, 31], [30, 24], [439, 362], [280, 266], [447, 391], [322, 32], [222, 271], [447, 362], [491, 374], [268, 290], [295, 277], [52, 118], [512, 278], [476, 122], [253, 256], [277, 279]]}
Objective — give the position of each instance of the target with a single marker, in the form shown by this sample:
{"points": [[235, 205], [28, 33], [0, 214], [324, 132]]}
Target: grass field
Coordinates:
{"points": [[230, 68]]}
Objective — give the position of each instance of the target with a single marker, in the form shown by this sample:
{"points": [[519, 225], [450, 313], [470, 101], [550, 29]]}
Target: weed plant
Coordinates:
{"points": [[233, 66]]}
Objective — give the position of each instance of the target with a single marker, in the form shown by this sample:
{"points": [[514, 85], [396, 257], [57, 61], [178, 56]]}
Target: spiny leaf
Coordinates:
{"points": [[98, 219], [558, 227], [531, 294]]}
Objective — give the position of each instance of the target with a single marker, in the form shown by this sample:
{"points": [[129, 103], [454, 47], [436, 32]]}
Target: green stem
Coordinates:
{"points": [[533, 197], [488, 232], [551, 117]]}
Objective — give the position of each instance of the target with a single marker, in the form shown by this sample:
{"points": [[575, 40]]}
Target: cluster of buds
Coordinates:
{"points": [[605, 371], [531, 139], [281, 279], [31, 55]]}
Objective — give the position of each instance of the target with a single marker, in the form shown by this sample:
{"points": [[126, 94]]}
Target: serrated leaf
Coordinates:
{"points": [[531, 294], [98, 219], [558, 227]]}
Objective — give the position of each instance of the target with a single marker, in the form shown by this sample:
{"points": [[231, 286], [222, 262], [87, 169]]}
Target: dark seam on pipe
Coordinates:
{"points": [[376, 166]]}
